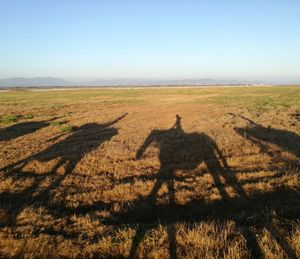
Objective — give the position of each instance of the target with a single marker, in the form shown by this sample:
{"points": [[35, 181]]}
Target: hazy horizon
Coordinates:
{"points": [[58, 82], [89, 79]]}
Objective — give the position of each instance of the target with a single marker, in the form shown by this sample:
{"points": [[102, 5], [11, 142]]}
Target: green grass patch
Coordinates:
{"points": [[56, 123], [67, 128], [259, 99], [10, 118], [28, 116]]}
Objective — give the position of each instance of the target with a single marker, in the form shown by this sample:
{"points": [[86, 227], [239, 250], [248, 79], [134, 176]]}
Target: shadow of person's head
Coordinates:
{"points": [[177, 125]]}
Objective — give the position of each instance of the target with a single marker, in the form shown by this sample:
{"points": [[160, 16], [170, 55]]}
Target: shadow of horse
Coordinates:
{"points": [[179, 150], [258, 134], [68, 152]]}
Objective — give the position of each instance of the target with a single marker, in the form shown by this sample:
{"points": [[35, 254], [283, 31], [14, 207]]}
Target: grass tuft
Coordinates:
{"points": [[56, 123], [67, 128], [10, 118]]}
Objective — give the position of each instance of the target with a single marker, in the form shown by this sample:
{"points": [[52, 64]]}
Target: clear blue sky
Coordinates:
{"points": [[242, 39]]}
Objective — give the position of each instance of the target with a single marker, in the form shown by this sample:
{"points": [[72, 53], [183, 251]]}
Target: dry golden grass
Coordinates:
{"points": [[221, 180]]}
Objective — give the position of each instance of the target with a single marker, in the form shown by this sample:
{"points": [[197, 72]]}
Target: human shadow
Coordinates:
{"points": [[23, 128], [66, 154], [260, 135], [181, 151]]}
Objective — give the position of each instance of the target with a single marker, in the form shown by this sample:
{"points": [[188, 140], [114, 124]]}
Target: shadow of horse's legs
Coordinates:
{"points": [[254, 247], [215, 169], [171, 191], [171, 229], [45, 194], [251, 242], [140, 233], [163, 176], [281, 241]]}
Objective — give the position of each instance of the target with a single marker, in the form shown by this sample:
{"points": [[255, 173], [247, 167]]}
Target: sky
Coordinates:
{"points": [[153, 39]]}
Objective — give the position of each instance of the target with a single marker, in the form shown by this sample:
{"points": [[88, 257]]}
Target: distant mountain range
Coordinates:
{"points": [[149, 82], [57, 82], [35, 82]]}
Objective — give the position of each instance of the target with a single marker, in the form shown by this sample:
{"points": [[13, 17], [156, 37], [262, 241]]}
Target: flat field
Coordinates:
{"points": [[150, 173]]}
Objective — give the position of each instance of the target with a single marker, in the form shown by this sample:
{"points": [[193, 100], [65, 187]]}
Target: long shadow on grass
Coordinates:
{"points": [[22, 128], [255, 212], [260, 135], [67, 153], [180, 151]]}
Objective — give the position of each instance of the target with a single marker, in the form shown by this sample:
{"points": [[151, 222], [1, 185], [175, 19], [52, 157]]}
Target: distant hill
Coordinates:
{"points": [[36, 81], [148, 82], [57, 82]]}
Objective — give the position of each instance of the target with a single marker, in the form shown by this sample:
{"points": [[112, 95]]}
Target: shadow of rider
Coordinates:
{"points": [[185, 151]]}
